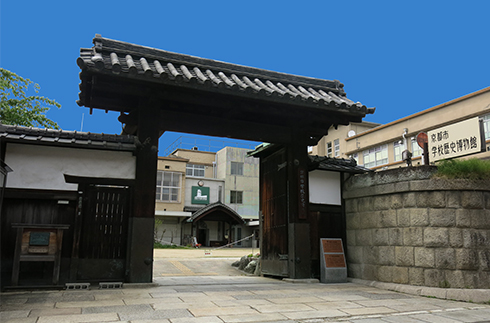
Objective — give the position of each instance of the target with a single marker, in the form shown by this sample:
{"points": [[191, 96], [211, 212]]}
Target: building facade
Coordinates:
{"points": [[223, 185], [381, 146]]}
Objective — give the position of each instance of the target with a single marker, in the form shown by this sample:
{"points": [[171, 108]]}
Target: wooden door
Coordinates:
{"points": [[104, 233], [274, 201]]}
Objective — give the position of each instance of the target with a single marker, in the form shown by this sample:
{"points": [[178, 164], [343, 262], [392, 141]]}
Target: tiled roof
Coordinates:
{"points": [[54, 137], [216, 206], [337, 165], [158, 66]]}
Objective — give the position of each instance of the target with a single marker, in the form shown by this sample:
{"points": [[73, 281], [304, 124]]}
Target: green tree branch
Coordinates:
{"points": [[16, 108]]}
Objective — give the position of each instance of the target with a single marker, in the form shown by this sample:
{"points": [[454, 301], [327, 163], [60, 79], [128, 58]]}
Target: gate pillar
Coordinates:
{"points": [[299, 250], [142, 221]]}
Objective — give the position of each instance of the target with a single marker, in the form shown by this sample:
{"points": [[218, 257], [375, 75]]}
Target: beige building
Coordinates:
{"points": [[378, 146], [206, 197]]}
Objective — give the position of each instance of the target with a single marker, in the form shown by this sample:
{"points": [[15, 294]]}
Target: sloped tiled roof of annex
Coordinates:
{"points": [[75, 139], [154, 65], [216, 205], [337, 165]]}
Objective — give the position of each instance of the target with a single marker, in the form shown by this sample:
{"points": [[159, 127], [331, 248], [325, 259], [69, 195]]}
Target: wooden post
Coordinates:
{"points": [[299, 249], [142, 222]]}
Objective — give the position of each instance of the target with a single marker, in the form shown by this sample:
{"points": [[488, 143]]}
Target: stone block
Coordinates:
{"points": [[413, 236], [351, 237], [404, 256], [419, 217], [385, 273], [354, 270], [442, 217], [466, 259], [436, 199], [453, 199], [422, 199], [484, 259], [436, 237], [403, 217], [365, 204], [463, 218], [396, 236], [384, 189], [475, 238], [352, 221], [434, 278], [364, 237], [486, 199], [396, 201], [480, 219], [402, 186], [400, 275], [387, 219], [370, 255], [351, 206], [369, 220], [386, 255], [445, 258], [472, 200], [424, 257], [381, 237], [455, 278], [370, 272], [409, 200], [416, 276], [381, 202], [354, 255], [484, 281], [470, 279], [455, 238]]}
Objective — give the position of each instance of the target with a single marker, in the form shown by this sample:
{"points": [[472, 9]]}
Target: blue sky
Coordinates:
{"points": [[398, 56]]}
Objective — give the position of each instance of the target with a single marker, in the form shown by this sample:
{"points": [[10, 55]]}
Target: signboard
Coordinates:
{"points": [[459, 139], [200, 195], [333, 267]]}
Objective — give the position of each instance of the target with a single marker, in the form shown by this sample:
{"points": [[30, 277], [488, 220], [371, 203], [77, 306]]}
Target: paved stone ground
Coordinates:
{"points": [[220, 297]]}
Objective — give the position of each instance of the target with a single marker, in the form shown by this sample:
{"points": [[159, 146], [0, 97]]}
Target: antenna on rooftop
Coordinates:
{"points": [[81, 126]]}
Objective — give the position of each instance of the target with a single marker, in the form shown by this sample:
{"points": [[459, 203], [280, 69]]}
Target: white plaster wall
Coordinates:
{"points": [[43, 167], [324, 187]]}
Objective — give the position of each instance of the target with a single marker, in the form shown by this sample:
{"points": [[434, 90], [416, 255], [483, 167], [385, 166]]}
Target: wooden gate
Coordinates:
{"points": [[104, 233], [274, 201]]}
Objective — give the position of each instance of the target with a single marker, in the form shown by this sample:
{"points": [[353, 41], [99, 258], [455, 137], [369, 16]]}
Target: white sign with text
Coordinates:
{"points": [[459, 139]]}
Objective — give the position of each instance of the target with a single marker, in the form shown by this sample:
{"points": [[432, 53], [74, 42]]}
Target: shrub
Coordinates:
{"points": [[466, 169]]}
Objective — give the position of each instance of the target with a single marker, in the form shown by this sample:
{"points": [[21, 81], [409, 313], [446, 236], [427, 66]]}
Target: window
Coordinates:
{"points": [[194, 170], [168, 186], [336, 145], [236, 197], [376, 156], [329, 149], [398, 148], [486, 126], [236, 168], [416, 150]]}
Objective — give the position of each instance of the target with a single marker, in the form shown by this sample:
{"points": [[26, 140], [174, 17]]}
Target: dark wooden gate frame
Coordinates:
{"points": [[157, 91]]}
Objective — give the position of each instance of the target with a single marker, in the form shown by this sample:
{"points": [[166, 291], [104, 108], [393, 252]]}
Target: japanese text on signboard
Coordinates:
{"points": [[455, 140]]}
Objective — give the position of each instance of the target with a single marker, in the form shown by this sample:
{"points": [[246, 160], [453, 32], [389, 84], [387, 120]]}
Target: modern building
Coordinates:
{"points": [[207, 198], [377, 146]]}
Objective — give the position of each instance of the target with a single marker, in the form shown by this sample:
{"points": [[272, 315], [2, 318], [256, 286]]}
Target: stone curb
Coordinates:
{"points": [[457, 294]]}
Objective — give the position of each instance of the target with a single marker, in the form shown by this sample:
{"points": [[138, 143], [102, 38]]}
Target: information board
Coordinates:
{"points": [[333, 267]]}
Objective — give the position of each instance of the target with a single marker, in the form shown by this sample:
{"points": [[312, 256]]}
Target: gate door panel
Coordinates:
{"points": [[274, 248], [104, 234]]}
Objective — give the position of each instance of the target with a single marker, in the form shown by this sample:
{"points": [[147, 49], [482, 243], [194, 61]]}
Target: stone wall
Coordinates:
{"points": [[405, 227]]}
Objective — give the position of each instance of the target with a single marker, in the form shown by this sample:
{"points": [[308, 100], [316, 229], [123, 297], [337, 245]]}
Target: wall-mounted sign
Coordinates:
{"points": [[200, 195], [459, 139]]}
